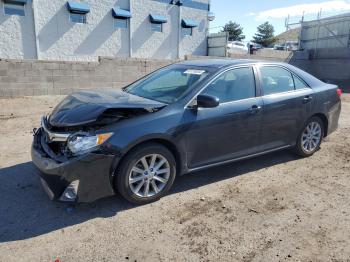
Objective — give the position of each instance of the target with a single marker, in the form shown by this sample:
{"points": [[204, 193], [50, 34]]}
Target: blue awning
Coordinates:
{"points": [[18, 2], [180, 2], [121, 13], [158, 19], [78, 7], [189, 23]]}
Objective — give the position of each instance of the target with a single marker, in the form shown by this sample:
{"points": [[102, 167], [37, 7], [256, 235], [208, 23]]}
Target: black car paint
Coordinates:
{"points": [[85, 107], [198, 137], [93, 170]]}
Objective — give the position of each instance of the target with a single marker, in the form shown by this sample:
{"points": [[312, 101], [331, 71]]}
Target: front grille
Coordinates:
{"points": [[51, 135], [55, 149]]}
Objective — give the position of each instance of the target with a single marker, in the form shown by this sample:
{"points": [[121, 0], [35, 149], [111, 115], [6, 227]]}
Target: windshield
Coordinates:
{"points": [[167, 85]]}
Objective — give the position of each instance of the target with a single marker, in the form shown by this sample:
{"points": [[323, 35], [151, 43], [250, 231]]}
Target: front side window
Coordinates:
{"points": [[77, 18], [187, 31], [14, 9], [121, 23], [167, 85], [156, 27], [233, 85], [276, 80]]}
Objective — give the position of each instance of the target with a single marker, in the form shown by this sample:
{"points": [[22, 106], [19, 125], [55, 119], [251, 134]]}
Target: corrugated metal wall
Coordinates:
{"points": [[217, 44], [333, 32]]}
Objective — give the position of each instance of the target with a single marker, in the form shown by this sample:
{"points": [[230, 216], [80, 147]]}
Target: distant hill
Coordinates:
{"points": [[290, 35]]}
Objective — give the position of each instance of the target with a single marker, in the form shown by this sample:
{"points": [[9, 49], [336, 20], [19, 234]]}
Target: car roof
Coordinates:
{"points": [[219, 63]]}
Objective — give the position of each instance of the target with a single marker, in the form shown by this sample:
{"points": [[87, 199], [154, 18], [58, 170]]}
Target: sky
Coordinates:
{"points": [[251, 13]]}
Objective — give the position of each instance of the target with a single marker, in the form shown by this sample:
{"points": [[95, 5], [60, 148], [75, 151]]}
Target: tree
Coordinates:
{"points": [[235, 31], [265, 35]]}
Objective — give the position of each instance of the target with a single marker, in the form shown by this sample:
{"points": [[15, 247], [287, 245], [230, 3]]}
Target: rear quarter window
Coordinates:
{"points": [[298, 83]]}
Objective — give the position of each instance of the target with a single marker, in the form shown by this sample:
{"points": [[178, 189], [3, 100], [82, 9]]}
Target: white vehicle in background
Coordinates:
{"points": [[237, 47], [287, 46]]}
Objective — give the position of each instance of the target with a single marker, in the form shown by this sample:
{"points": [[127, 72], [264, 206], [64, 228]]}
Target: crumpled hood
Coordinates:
{"points": [[86, 107]]}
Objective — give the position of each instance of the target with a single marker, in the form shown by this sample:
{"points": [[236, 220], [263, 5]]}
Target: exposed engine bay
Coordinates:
{"points": [[82, 114]]}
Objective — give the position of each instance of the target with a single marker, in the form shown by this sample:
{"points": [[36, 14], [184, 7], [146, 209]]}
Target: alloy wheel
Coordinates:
{"points": [[311, 137], [149, 176]]}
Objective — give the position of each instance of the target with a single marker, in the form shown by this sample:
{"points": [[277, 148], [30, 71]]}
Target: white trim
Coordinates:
{"points": [[130, 30], [37, 44]]}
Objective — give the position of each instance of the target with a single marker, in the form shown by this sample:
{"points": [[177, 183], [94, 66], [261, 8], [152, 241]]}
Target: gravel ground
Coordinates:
{"points": [[277, 207]]}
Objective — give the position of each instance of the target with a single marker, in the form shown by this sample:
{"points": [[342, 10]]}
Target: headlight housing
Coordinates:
{"points": [[83, 143]]}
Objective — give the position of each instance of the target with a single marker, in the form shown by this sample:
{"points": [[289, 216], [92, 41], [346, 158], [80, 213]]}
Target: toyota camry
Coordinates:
{"points": [[179, 119]]}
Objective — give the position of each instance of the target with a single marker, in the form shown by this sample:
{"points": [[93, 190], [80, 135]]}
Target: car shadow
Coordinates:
{"points": [[26, 211]]}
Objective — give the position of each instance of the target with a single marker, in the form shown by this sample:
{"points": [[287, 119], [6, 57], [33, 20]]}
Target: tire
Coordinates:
{"points": [[129, 176], [303, 147]]}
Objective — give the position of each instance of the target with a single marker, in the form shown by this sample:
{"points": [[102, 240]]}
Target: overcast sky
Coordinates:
{"points": [[251, 13]]}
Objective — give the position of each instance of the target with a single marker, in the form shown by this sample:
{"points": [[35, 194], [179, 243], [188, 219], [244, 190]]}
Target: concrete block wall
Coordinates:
{"points": [[331, 65], [32, 77], [265, 54]]}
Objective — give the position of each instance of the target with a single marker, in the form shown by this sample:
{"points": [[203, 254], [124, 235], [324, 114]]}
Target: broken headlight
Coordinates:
{"points": [[83, 143]]}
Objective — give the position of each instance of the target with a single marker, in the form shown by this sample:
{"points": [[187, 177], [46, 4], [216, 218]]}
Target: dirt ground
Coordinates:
{"points": [[277, 207]]}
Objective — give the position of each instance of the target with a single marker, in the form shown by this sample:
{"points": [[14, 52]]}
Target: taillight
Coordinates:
{"points": [[339, 92]]}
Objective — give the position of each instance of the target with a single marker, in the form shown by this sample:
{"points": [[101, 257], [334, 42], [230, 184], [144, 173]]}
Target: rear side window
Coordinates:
{"points": [[233, 85], [276, 80]]}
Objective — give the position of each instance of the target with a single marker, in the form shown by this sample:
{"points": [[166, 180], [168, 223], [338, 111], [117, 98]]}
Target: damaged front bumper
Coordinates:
{"points": [[84, 178]]}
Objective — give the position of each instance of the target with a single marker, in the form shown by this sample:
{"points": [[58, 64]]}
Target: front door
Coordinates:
{"points": [[230, 130]]}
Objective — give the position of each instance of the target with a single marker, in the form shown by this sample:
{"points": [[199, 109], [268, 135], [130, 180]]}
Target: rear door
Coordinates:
{"points": [[230, 130], [287, 103]]}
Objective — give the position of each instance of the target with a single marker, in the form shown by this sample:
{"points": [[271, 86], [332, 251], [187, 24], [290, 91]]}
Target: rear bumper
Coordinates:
{"points": [[333, 117], [93, 171]]}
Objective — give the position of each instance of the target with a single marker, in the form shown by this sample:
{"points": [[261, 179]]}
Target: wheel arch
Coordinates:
{"points": [[162, 141], [324, 119]]}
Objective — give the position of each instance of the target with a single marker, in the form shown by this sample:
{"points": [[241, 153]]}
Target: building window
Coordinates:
{"points": [[14, 9], [187, 31], [121, 23], [77, 18], [156, 27]]}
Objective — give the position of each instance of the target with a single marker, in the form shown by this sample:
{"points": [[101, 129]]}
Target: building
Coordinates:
{"points": [[85, 30]]}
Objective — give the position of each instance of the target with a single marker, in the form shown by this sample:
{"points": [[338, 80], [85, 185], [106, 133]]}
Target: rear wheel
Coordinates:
{"points": [[146, 173], [310, 138]]}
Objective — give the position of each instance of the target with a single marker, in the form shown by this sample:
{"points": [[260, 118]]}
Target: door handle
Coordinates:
{"points": [[307, 99], [255, 109]]}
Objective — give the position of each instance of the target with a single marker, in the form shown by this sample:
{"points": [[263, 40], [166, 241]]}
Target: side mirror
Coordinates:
{"points": [[207, 101]]}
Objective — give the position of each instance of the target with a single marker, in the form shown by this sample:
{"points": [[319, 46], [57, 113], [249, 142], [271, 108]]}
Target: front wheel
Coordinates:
{"points": [[146, 173], [310, 138]]}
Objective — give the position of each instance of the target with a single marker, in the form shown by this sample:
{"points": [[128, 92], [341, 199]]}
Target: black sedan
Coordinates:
{"points": [[182, 118]]}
